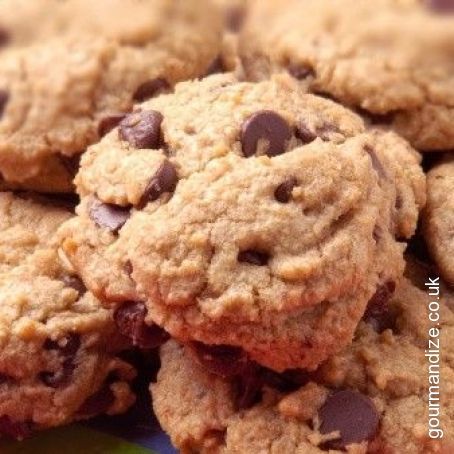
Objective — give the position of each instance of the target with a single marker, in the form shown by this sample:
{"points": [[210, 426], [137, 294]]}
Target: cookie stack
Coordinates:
{"points": [[252, 223]]}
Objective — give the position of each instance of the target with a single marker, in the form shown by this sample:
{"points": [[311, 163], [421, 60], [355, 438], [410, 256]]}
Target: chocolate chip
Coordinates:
{"points": [[106, 215], [376, 163], [75, 283], [59, 378], [109, 122], [142, 129], [283, 192], [301, 71], [265, 128], [352, 414], [441, 6], [4, 37], [98, 403], [378, 313], [254, 257], [14, 429], [304, 133], [151, 88], [164, 180], [130, 320], [223, 360], [4, 96]]}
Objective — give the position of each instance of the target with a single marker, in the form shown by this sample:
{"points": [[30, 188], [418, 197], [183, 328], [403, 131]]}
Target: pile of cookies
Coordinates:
{"points": [[247, 186]]}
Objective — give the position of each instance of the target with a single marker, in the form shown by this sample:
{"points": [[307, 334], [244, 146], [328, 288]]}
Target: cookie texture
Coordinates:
{"points": [[371, 398], [251, 215], [58, 346], [101, 65], [369, 55], [439, 217]]}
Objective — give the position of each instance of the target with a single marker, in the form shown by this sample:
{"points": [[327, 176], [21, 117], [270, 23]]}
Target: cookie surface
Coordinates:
{"points": [[101, 65], [251, 215], [58, 346], [439, 217], [375, 394], [369, 55]]}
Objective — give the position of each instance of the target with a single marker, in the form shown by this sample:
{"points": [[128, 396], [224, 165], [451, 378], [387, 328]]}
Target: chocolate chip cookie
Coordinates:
{"points": [[370, 55], [69, 77], [439, 217], [371, 398], [251, 215], [58, 346]]}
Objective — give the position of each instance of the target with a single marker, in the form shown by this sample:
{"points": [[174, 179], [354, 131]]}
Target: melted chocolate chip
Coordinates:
{"points": [[4, 97], [14, 429], [304, 133], [441, 6], [106, 215], [142, 129], [75, 283], [223, 360], [301, 72], [108, 123], [376, 163], [352, 414], [257, 258], [165, 180], [150, 89], [98, 403], [283, 192], [130, 320], [265, 128], [378, 313], [67, 346]]}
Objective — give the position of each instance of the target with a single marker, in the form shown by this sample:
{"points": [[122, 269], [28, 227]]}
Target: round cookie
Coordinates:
{"points": [[101, 64], [438, 219], [58, 346], [252, 215], [369, 55], [371, 398]]}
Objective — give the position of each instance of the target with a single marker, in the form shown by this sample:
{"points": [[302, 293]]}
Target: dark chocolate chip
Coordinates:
{"points": [[109, 122], [265, 128], [376, 163], [14, 429], [4, 97], [441, 6], [98, 403], [130, 320], [150, 89], [301, 72], [378, 313], [283, 192], [352, 414], [75, 283], [164, 180], [223, 360], [4, 37], [142, 129], [106, 215], [254, 257], [305, 134]]}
